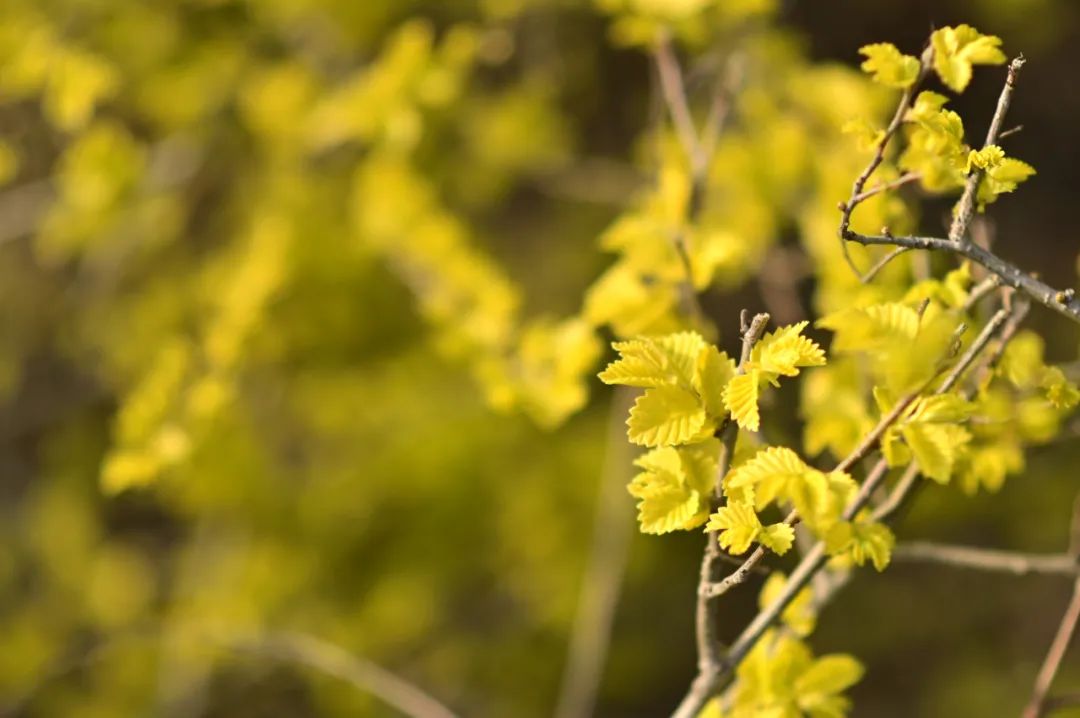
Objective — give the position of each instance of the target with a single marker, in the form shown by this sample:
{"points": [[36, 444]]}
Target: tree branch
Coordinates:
{"points": [[307, 650], [674, 92], [1036, 705], [965, 208], [815, 559], [881, 264], [591, 634], [706, 618], [1062, 301], [1004, 323], [857, 193], [983, 559], [900, 181]]}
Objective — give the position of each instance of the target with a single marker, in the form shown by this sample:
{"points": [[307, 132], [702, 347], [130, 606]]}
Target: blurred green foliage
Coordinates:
{"points": [[266, 267]]}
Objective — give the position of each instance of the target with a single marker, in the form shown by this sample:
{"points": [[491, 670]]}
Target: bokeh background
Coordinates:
{"points": [[188, 316]]}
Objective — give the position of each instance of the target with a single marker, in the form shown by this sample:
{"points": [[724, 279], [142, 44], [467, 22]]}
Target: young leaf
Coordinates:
{"points": [[827, 677], [777, 538], [770, 473], [741, 399], [665, 415], [664, 507], [867, 136], [738, 526], [889, 66], [649, 362], [860, 540], [820, 498], [956, 49], [641, 364], [936, 447], [785, 350], [927, 105], [1060, 392], [987, 158], [682, 350], [872, 540], [668, 499], [699, 462], [939, 409], [714, 370], [1002, 179]]}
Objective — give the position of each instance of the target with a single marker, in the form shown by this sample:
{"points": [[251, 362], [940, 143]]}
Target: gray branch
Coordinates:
{"points": [[328, 658], [983, 559], [1062, 301]]}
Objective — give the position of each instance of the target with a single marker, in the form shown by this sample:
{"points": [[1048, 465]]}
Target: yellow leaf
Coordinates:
{"points": [[889, 66], [956, 49], [938, 409], [785, 350], [860, 540], [78, 82], [738, 526], [870, 327], [699, 465], [828, 675], [682, 350], [867, 136], [664, 508], [741, 399], [777, 538], [714, 370], [665, 415], [1060, 392], [1002, 179], [935, 447], [769, 473], [927, 105], [987, 158], [648, 362], [667, 499], [642, 363], [820, 498]]}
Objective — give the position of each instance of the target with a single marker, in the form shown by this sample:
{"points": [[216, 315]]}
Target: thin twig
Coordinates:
{"points": [[674, 91], [886, 186], [698, 151], [1065, 700], [846, 208], [982, 559], [881, 263], [1054, 656], [996, 322], [1062, 301], [591, 634], [1010, 131], [1036, 705], [731, 78], [333, 660], [899, 494], [965, 208], [980, 290]]}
